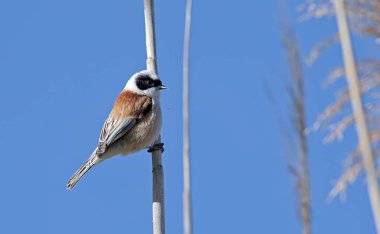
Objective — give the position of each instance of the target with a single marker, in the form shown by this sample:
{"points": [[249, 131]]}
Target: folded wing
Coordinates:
{"points": [[129, 108]]}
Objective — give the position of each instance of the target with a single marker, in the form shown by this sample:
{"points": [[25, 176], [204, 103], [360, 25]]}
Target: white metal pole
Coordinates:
{"points": [[158, 205], [187, 214], [358, 110]]}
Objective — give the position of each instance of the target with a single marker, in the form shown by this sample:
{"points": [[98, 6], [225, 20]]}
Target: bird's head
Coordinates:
{"points": [[145, 83]]}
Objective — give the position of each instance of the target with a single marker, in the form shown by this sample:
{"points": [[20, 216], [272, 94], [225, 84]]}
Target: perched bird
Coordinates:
{"points": [[133, 124]]}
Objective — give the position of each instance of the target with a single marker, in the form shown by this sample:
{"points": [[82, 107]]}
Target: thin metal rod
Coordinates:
{"points": [[357, 106], [187, 214], [158, 205]]}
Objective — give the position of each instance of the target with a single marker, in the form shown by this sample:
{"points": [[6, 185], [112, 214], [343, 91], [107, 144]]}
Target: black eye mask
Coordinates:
{"points": [[146, 82], [157, 83]]}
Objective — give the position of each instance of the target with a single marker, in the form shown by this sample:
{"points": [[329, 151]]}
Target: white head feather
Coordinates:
{"points": [[132, 86]]}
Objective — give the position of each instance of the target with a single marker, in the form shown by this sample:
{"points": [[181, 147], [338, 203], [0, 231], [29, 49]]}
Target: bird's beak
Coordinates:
{"points": [[163, 87]]}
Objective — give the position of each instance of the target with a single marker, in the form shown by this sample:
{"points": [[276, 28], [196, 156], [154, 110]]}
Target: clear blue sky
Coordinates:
{"points": [[63, 63]]}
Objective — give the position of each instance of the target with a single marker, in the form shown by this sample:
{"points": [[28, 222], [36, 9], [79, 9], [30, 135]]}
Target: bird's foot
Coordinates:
{"points": [[158, 146]]}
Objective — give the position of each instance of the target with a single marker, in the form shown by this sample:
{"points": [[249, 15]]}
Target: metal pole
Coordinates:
{"points": [[158, 205], [187, 216], [357, 106]]}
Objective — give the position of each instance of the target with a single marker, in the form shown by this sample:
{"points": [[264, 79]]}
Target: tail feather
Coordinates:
{"points": [[92, 161]]}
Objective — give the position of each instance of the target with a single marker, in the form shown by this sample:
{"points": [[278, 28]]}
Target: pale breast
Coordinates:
{"points": [[143, 134]]}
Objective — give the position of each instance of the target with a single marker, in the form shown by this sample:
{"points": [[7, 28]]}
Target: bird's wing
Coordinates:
{"points": [[129, 108]]}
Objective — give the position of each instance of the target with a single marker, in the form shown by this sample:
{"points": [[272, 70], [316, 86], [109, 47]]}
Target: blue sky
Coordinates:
{"points": [[63, 63]]}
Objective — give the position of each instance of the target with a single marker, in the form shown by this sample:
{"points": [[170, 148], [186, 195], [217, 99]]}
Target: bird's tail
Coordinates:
{"points": [[92, 161]]}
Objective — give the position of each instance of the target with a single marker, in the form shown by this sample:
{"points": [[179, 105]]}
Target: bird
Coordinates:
{"points": [[133, 124]]}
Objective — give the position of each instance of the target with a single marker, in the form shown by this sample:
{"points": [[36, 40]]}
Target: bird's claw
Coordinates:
{"points": [[157, 146]]}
